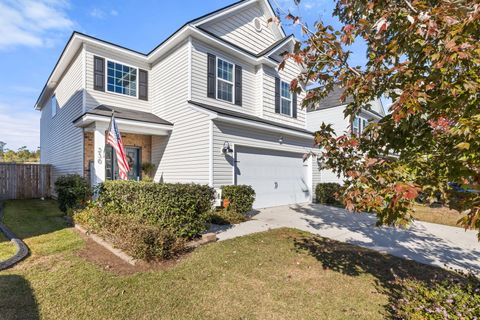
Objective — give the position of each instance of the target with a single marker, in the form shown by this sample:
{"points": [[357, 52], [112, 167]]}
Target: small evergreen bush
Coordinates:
{"points": [[72, 191], [241, 198], [326, 193]]}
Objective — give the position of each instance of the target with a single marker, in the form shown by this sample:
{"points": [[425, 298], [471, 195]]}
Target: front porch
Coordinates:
{"points": [[138, 130]]}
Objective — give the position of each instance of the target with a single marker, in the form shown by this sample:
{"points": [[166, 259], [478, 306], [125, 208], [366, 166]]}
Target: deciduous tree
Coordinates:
{"points": [[424, 55]]}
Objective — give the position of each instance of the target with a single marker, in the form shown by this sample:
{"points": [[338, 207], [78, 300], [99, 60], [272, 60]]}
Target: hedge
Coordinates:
{"points": [[181, 208], [325, 193], [241, 198], [72, 191], [139, 240]]}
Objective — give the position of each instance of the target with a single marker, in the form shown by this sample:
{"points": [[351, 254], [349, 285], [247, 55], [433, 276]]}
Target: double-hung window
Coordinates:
{"points": [[225, 80], [285, 99], [358, 125], [121, 79]]}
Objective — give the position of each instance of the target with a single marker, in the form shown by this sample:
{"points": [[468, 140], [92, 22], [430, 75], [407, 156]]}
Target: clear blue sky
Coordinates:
{"points": [[34, 32]]}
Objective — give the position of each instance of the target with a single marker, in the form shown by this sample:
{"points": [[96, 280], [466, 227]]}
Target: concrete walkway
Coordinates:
{"points": [[424, 242]]}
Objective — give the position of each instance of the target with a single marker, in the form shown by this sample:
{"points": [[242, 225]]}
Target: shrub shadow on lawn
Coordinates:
{"points": [[386, 269], [17, 300]]}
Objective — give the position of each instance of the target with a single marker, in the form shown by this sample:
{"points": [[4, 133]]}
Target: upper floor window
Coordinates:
{"points": [[53, 105], [121, 79], [286, 99], [225, 81], [358, 125]]}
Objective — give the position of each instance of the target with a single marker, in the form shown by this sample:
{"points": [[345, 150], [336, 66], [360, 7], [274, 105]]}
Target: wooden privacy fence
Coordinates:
{"points": [[24, 181]]}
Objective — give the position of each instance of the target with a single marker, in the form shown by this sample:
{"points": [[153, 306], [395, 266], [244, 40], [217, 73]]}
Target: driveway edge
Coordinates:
{"points": [[22, 249]]}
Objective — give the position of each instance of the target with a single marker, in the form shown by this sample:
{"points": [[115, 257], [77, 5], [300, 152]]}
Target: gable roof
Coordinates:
{"points": [[332, 100], [73, 45]]}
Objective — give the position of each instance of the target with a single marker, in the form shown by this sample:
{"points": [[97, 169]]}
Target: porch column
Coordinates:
{"points": [[99, 152]]}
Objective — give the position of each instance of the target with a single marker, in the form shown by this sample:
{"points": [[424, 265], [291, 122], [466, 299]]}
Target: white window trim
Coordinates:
{"points": [[53, 109], [287, 99], [217, 78], [361, 128], [106, 78]]}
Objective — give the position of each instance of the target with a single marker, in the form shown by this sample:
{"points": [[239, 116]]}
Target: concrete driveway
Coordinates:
{"points": [[424, 242]]}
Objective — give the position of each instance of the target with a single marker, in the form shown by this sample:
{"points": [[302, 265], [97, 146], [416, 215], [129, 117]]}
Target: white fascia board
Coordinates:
{"points": [[263, 126], [224, 12], [371, 114], [138, 126], [281, 45]]}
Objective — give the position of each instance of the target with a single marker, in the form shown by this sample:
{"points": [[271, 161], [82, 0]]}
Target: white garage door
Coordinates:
{"points": [[278, 178]]}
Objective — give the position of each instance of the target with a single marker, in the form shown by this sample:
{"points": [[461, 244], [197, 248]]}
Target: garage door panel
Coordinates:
{"points": [[278, 177]]}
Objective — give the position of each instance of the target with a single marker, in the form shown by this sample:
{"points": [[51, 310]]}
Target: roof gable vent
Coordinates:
{"points": [[257, 23]]}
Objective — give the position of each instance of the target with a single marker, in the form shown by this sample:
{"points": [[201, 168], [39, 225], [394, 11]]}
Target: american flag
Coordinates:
{"points": [[115, 140]]}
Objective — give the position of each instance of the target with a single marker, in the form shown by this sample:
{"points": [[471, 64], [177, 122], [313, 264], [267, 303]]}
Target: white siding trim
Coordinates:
{"points": [[261, 88], [190, 48], [210, 155], [84, 79]]}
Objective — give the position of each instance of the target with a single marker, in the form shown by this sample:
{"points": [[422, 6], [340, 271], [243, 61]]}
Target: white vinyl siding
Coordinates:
{"points": [[239, 29], [95, 98], [333, 116], [184, 155], [61, 143], [247, 136]]}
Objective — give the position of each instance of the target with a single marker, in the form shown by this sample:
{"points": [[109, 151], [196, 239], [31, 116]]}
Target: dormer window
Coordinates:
{"points": [[121, 79], [286, 99]]}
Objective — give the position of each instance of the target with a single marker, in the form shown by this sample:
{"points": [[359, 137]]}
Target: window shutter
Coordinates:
{"points": [[294, 104], [98, 73], [238, 85], [211, 82], [142, 84], [277, 95]]}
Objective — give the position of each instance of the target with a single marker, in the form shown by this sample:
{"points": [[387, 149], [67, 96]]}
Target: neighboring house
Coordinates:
{"points": [[331, 111]]}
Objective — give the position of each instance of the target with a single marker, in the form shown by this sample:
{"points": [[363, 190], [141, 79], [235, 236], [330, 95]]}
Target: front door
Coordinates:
{"points": [[133, 158]]}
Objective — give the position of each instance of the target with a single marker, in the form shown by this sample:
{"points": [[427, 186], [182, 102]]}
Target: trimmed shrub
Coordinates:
{"points": [[129, 234], [73, 191], [325, 193], [241, 198], [181, 208]]}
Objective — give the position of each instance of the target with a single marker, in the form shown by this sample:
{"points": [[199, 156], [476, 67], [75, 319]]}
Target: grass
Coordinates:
{"points": [[280, 274], [225, 217], [440, 215], [7, 248]]}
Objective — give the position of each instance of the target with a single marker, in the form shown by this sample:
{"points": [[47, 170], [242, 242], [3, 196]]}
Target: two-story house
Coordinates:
{"points": [[208, 105]]}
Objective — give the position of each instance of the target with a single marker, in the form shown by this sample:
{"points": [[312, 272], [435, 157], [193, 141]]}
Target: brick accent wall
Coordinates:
{"points": [[129, 140]]}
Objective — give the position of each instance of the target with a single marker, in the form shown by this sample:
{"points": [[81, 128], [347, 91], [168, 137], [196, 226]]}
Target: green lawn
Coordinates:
{"points": [[280, 274], [7, 248]]}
